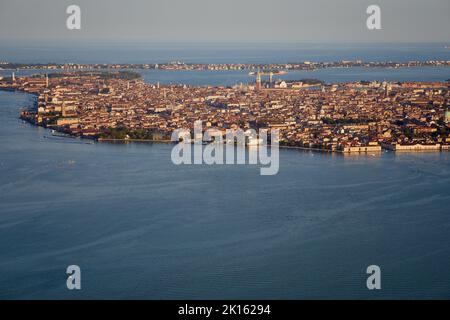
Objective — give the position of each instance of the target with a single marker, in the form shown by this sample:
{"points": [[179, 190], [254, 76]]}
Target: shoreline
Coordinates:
{"points": [[30, 111], [229, 66], [372, 152]]}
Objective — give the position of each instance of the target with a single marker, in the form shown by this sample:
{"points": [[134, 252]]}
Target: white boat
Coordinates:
{"points": [[254, 142]]}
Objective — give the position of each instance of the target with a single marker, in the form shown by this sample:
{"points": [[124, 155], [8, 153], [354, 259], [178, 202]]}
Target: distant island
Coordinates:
{"points": [[105, 75], [276, 68]]}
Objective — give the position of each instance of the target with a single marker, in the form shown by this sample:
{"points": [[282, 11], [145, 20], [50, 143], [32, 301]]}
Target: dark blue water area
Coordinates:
{"points": [[334, 75], [101, 52], [133, 52], [141, 227]]}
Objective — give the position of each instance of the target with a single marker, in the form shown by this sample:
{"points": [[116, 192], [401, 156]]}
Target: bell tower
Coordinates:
{"points": [[258, 81]]}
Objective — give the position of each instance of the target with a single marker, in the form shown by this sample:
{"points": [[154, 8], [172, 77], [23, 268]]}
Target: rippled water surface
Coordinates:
{"points": [[141, 227]]}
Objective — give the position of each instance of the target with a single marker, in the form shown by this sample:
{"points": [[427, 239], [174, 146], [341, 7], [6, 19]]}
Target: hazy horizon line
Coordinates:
{"points": [[226, 42]]}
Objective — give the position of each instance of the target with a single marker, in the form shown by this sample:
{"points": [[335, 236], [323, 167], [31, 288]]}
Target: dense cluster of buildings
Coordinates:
{"points": [[350, 117], [180, 65]]}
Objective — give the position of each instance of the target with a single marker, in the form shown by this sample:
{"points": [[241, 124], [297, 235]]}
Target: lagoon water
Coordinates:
{"points": [[142, 52], [238, 53], [230, 78], [142, 227]]}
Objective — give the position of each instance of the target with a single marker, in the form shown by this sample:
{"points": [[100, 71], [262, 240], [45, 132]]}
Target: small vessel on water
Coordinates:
{"points": [[62, 135]]}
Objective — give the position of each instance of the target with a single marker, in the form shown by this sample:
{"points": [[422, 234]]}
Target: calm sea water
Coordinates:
{"points": [[230, 78], [132, 52], [141, 227], [234, 53]]}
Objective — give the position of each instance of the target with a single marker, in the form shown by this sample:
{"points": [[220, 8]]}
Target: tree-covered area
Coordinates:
{"points": [[307, 81], [443, 129], [122, 132]]}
